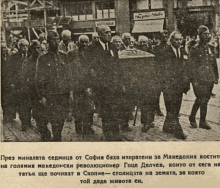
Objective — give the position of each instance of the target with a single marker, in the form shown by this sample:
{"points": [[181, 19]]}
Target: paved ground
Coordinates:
{"points": [[13, 133]]}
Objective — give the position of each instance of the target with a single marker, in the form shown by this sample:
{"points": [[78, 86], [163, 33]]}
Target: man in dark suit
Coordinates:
{"points": [[103, 71], [17, 84], [158, 67], [54, 88], [5, 100], [204, 73], [175, 83], [83, 108], [126, 105]]}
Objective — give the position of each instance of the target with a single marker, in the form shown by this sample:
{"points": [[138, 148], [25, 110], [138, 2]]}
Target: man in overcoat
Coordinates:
{"points": [[54, 88], [175, 83], [104, 71], [16, 82], [204, 74], [84, 106]]}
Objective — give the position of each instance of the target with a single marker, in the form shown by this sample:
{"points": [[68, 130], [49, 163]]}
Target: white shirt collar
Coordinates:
{"points": [[103, 44], [174, 49]]}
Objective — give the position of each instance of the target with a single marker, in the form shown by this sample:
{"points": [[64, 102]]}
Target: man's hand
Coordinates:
{"points": [[43, 101]]}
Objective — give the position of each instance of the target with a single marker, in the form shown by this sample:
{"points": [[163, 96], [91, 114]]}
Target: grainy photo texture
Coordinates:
{"points": [[110, 70]]}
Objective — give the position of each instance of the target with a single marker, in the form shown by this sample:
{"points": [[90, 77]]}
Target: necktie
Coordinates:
{"points": [[106, 47], [177, 53]]}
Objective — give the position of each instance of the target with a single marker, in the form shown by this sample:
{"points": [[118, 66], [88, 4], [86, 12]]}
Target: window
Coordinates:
{"points": [[199, 3], [79, 10], [105, 10], [156, 4], [142, 4], [149, 4]]}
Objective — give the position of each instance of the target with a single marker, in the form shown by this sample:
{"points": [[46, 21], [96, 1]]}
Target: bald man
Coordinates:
{"points": [[66, 44], [103, 70]]}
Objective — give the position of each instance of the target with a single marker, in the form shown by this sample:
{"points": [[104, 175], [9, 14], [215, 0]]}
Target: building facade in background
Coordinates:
{"points": [[147, 17], [86, 16]]}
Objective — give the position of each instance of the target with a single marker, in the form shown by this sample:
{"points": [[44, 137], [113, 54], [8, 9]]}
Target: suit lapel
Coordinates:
{"points": [[171, 53]]}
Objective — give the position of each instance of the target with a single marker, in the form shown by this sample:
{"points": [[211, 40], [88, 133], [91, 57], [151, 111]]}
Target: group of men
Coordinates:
{"points": [[79, 80]]}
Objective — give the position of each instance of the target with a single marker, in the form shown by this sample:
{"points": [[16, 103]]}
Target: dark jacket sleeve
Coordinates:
{"points": [[215, 66]]}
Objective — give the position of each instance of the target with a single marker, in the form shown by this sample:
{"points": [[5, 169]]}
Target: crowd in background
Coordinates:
{"points": [[25, 65]]}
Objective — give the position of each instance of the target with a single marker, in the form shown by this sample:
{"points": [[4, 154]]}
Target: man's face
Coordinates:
{"points": [[44, 45], [4, 50], [66, 41], [96, 38], [205, 37], [105, 34], [38, 49], [84, 43], [53, 43], [127, 40], [23, 48], [143, 42], [117, 43], [177, 40]]}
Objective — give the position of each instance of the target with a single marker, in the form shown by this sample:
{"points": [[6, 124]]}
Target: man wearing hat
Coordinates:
{"points": [[16, 83], [53, 81], [66, 45], [204, 74]]}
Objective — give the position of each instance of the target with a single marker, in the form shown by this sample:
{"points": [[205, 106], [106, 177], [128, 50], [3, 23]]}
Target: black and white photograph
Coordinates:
{"points": [[110, 71]]}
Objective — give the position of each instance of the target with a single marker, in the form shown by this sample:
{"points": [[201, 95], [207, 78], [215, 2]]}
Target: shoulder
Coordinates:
{"points": [[195, 50], [167, 49], [95, 44], [44, 57], [73, 53], [61, 43], [14, 57], [158, 49]]}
